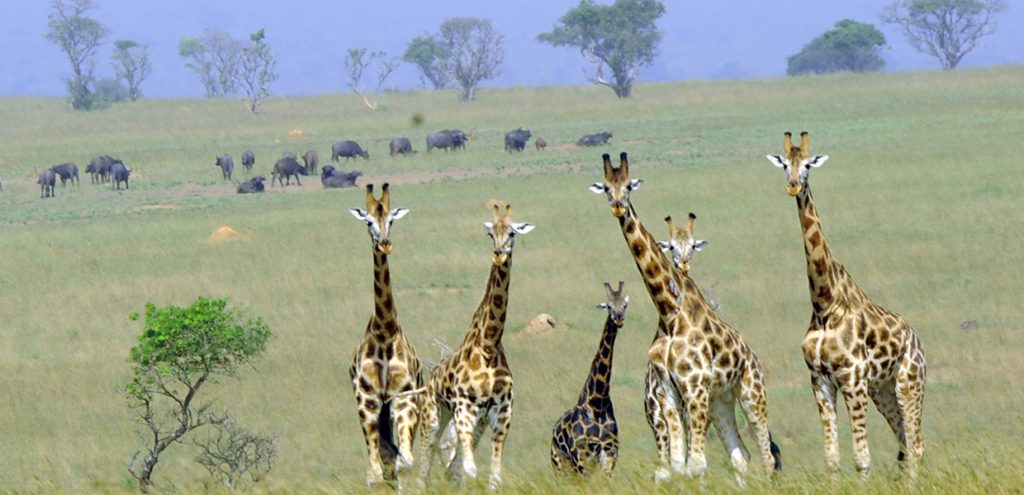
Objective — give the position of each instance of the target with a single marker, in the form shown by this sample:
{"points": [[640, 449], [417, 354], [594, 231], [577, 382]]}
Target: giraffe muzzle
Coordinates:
{"points": [[499, 258], [794, 189], [618, 209], [384, 248]]}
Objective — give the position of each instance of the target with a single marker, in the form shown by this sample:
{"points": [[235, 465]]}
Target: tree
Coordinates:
{"points": [[131, 64], [431, 57], [944, 29], [78, 37], [621, 36], [179, 351], [851, 45], [257, 70], [215, 58], [357, 60], [476, 52]]}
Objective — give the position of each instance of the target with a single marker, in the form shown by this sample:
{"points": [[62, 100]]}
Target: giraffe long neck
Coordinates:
{"points": [[489, 318], [385, 315], [595, 390], [821, 268], [654, 267]]}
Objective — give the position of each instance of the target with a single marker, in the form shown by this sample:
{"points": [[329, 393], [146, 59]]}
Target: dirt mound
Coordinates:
{"points": [[296, 134], [226, 234], [541, 324]]}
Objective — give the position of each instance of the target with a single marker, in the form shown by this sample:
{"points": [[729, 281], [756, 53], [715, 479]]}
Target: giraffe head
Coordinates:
{"points": [[379, 216], [617, 185], [681, 243], [503, 232], [797, 162], [616, 305]]}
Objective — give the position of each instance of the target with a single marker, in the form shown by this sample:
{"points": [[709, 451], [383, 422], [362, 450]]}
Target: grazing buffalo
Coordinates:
{"points": [[516, 140], [347, 149], [99, 167], [252, 186], [66, 171], [226, 164], [119, 173], [285, 168], [289, 154], [447, 139], [401, 145], [47, 179], [598, 139], [541, 144], [248, 159], [312, 161]]}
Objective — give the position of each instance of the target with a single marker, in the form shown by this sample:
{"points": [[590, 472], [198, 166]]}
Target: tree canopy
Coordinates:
{"points": [[476, 51], [850, 46], [78, 36], [430, 55], [622, 37], [945, 29]]}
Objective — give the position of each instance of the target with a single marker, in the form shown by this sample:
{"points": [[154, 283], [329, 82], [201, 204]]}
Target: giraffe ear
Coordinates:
{"points": [[626, 299], [602, 306], [523, 228], [817, 161], [398, 213], [359, 214], [489, 226], [699, 245], [665, 246], [598, 188], [635, 184], [777, 160]]}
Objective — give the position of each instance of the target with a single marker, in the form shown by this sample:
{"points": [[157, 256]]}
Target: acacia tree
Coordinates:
{"points": [[851, 45], [179, 351], [357, 61], [131, 64], [476, 50], [431, 56], [78, 37], [622, 37], [216, 58], [944, 29], [257, 71]]}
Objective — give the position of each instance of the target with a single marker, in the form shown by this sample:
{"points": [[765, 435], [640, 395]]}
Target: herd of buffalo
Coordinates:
{"points": [[105, 169]]}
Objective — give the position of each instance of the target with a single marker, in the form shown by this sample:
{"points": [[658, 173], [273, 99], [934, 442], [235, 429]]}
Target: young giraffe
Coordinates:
{"points": [[588, 432], [385, 371], [474, 383], [695, 359], [853, 345]]}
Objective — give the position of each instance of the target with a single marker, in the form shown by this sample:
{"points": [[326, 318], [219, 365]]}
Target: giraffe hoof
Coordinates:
{"points": [[661, 474]]}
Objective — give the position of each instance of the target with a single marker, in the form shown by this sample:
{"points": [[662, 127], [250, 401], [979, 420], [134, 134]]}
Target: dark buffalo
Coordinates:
{"points": [[347, 149], [252, 186], [312, 161], [598, 139], [447, 139], [248, 159], [99, 167], [541, 144], [516, 140], [285, 168], [66, 171], [289, 154], [47, 179], [401, 145], [339, 178], [119, 173], [226, 164]]}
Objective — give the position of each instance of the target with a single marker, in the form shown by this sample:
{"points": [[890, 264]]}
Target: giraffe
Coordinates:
{"points": [[852, 345], [385, 371], [588, 432], [696, 360], [473, 385]]}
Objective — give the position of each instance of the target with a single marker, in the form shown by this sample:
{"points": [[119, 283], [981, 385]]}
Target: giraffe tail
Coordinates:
{"points": [[386, 441], [776, 453]]}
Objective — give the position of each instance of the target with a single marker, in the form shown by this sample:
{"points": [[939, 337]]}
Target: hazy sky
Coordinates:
{"points": [[719, 39]]}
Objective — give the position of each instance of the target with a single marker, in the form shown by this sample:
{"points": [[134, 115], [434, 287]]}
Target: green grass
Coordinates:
{"points": [[921, 200]]}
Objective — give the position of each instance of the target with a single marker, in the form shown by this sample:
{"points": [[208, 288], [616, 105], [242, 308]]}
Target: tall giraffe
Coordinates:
{"points": [[695, 358], [588, 432], [853, 345], [385, 371], [474, 383]]}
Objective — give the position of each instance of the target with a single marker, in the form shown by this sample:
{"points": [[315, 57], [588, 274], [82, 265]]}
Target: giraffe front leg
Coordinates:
{"points": [[825, 396], [369, 419], [910, 395], [406, 415], [609, 455], [430, 427], [697, 402], [884, 398], [856, 398], [501, 421], [465, 417]]}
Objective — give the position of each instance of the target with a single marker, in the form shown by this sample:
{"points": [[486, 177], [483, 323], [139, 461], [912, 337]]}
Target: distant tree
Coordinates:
{"points": [[257, 70], [850, 46], [131, 64], [216, 58], [476, 52], [179, 351], [357, 60], [199, 61], [431, 56], [78, 37], [621, 36], [944, 29]]}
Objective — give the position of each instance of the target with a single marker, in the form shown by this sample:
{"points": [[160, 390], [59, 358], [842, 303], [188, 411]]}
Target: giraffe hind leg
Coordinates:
{"points": [[910, 395], [884, 398], [723, 417], [754, 403]]}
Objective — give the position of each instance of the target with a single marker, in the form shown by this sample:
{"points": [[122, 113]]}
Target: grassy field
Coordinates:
{"points": [[921, 200]]}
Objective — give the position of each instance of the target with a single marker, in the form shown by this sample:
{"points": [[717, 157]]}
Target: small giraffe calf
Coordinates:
{"points": [[588, 433]]}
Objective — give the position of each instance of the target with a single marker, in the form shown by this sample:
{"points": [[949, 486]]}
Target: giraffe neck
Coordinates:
{"points": [[385, 315], [595, 390], [654, 267], [489, 318], [821, 269]]}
